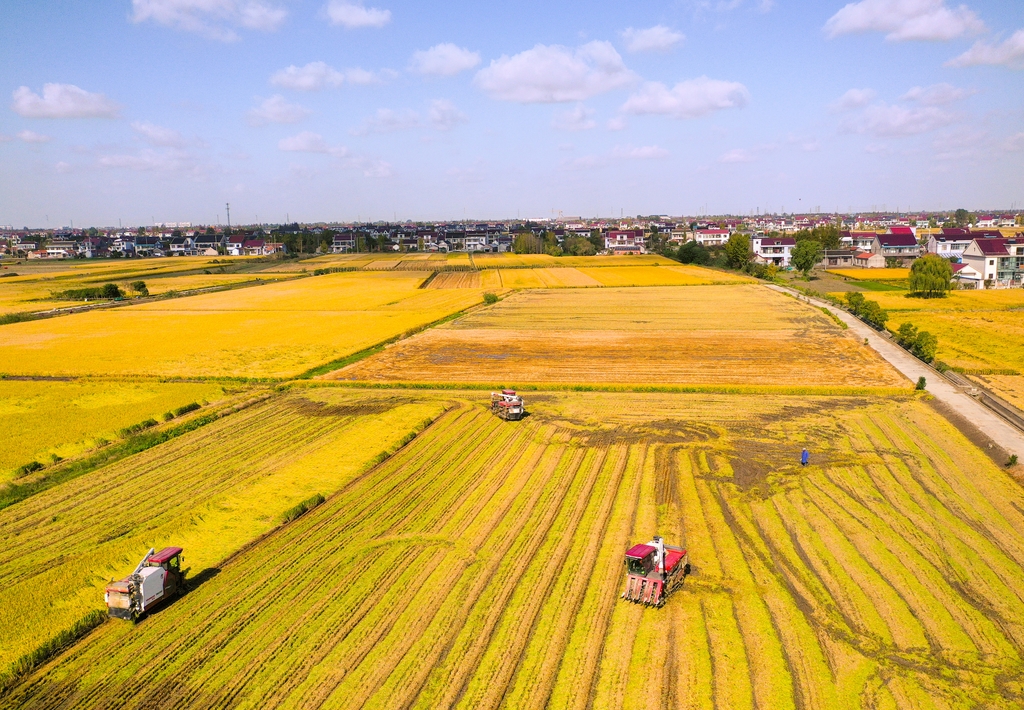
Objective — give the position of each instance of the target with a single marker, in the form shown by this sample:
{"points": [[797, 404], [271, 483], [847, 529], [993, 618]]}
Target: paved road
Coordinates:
{"points": [[994, 427]]}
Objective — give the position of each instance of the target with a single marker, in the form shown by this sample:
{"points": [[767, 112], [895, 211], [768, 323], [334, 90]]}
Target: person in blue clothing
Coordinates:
{"points": [[804, 458]]}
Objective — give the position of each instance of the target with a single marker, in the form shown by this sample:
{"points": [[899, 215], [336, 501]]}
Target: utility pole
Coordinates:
{"points": [[227, 206]]}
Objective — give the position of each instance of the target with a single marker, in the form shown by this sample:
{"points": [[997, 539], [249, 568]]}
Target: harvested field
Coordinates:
{"points": [[873, 274], [212, 491], [701, 336], [481, 567], [456, 279], [672, 275], [496, 261], [44, 419], [275, 330], [545, 278]]}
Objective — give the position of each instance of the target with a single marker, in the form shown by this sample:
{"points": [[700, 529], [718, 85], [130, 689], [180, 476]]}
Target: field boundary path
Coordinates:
{"points": [[991, 424]]}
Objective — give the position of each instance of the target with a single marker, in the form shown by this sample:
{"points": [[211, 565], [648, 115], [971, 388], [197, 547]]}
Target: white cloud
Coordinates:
{"points": [[158, 161], [6, 138], [737, 155], [936, 94], [354, 15], [579, 118], [854, 98], [644, 152], [215, 19], [552, 73], [316, 76], [62, 167], [905, 20], [33, 137], [443, 60], [387, 120], [312, 77], [443, 115], [654, 39], [158, 135], [62, 101], [1010, 52], [886, 121], [308, 142], [688, 99], [1015, 143], [277, 109], [618, 123]]}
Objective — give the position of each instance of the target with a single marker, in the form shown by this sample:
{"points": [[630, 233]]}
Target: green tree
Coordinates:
{"points": [[827, 235], [527, 243], [874, 314], [597, 239], [932, 224], [855, 301], [694, 253], [139, 287], [962, 217], [737, 251], [579, 246], [930, 276], [111, 291], [805, 255]]}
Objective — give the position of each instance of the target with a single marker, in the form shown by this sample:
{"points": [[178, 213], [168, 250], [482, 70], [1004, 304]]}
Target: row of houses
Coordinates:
{"points": [[151, 245]]}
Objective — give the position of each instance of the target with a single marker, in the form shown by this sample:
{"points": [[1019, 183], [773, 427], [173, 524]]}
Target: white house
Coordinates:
{"points": [[949, 243], [773, 250], [999, 262], [711, 237]]}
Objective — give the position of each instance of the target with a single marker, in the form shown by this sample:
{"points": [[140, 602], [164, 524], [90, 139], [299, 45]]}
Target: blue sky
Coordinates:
{"points": [[143, 110]]}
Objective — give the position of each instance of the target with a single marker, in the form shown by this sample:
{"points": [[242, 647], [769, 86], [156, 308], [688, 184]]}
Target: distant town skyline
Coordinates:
{"points": [[150, 111]]}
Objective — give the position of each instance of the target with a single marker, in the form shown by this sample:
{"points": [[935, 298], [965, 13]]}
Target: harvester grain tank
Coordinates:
{"points": [[653, 571], [507, 405], [156, 578]]}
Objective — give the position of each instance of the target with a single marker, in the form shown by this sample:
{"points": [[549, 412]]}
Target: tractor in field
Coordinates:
{"points": [[507, 405], [653, 571], [156, 578]]}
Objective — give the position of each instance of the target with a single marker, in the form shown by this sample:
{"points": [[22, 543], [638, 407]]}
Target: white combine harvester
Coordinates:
{"points": [[156, 578]]}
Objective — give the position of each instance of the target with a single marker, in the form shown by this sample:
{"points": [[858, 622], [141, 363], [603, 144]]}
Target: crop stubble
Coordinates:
{"points": [[700, 335]]}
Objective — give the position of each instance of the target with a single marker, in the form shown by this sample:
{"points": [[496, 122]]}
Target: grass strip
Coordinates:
{"points": [[50, 648], [135, 444], [297, 511]]}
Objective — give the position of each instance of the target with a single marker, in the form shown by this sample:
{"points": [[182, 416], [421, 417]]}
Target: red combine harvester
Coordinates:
{"points": [[156, 578], [507, 405], [654, 570]]}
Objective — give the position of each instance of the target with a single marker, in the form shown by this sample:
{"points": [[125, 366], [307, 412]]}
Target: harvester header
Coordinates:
{"points": [[508, 405]]}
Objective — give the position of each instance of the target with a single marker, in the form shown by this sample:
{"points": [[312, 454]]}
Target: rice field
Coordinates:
{"points": [[480, 567], [211, 491], [722, 336], [671, 275], [977, 330], [507, 259], [64, 419], [274, 330]]}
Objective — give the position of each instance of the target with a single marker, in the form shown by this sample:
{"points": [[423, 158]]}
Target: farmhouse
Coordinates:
{"points": [[773, 250], [626, 241], [903, 246], [711, 237], [949, 242], [999, 263]]}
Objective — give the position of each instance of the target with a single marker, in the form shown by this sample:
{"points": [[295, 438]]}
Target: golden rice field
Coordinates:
{"points": [[40, 419], [545, 278], [274, 330], [211, 491], [480, 567], [872, 274], [976, 329], [737, 336]]}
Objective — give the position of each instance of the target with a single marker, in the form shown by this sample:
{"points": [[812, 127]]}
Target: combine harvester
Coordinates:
{"points": [[507, 405], [157, 578], [654, 570]]}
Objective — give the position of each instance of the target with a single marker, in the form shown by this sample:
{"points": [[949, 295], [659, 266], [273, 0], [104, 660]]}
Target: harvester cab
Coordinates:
{"points": [[507, 405], [653, 570], [156, 578]]}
